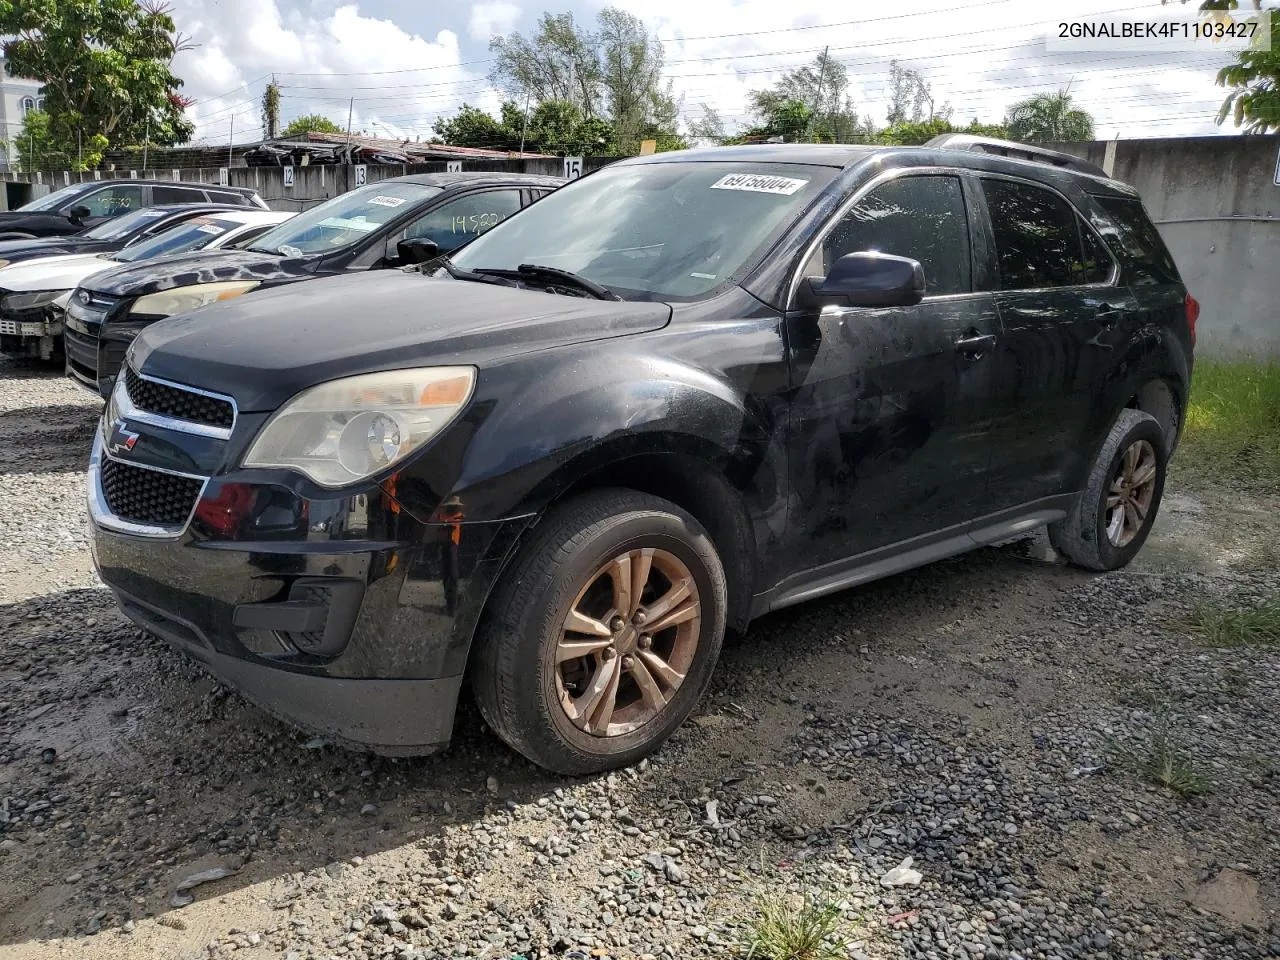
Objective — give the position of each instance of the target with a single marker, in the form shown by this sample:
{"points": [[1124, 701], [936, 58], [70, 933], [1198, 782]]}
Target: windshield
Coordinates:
{"points": [[659, 231], [51, 201], [120, 227], [343, 220], [192, 234]]}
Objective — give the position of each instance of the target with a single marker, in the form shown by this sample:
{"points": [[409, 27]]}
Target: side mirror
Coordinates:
{"points": [[80, 213], [417, 250], [869, 280]]}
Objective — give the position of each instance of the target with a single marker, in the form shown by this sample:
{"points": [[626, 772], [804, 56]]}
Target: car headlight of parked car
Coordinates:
{"points": [[346, 430], [181, 299], [33, 300]]}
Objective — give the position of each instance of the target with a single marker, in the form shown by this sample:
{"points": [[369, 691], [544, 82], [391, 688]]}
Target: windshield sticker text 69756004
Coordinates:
{"points": [[759, 183]]}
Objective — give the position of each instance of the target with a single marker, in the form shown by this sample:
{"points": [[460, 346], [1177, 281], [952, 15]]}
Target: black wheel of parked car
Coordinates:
{"points": [[602, 637], [1113, 516]]}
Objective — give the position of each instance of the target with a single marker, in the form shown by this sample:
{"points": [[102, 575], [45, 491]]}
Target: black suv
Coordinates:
{"points": [[674, 395], [83, 205], [386, 224]]}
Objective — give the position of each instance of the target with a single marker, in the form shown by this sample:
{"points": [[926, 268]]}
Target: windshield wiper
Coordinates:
{"points": [[474, 276], [534, 270]]}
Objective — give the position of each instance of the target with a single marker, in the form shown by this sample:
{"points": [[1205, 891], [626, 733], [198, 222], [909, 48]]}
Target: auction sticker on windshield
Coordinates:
{"points": [[759, 183], [387, 201]]}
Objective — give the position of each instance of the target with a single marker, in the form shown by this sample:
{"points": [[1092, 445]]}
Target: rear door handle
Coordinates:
{"points": [[973, 345]]}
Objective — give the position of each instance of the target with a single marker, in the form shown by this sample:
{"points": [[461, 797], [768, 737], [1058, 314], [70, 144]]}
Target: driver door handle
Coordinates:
{"points": [[973, 345]]}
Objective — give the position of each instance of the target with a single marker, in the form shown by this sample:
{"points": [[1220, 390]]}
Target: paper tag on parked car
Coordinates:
{"points": [[387, 201], [759, 183], [211, 228]]}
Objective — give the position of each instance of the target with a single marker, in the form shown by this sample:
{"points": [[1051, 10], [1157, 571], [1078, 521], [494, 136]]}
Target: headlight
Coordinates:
{"points": [[30, 301], [346, 430], [182, 299]]}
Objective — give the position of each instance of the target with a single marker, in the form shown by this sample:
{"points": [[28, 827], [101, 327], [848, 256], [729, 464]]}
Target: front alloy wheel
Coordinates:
{"points": [[601, 637]]}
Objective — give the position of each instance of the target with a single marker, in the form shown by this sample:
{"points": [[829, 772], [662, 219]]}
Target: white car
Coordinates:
{"points": [[30, 314]]}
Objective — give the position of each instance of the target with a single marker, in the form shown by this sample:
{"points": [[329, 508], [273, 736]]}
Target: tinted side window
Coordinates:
{"points": [[221, 196], [114, 200], [176, 195], [1097, 264], [918, 217], [1137, 242], [454, 223], [246, 238], [1036, 234]]}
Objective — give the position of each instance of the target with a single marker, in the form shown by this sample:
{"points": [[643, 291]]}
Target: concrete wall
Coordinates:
{"points": [[1217, 205]]}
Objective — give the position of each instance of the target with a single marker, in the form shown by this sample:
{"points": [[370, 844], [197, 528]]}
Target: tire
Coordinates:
{"points": [[1088, 535], [549, 711]]}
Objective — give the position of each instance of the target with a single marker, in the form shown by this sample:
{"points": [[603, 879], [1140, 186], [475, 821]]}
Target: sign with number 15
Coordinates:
{"points": [[572, 168]]}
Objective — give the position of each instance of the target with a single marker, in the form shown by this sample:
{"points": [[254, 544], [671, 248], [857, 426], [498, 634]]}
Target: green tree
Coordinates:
{"points": [[312, 122], [271, 110], [822, 89], [554, 126], [710, 126], [915, 133], [105, 66], [473, 127], [613, 74], [1049, 116]]}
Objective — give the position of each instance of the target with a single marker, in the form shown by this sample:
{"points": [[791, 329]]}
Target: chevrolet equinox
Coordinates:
{"points": [[674, 395]]}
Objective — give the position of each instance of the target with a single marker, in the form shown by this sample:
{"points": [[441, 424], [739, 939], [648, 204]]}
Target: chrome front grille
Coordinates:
{"points": [[180, 403], [148, 497]]}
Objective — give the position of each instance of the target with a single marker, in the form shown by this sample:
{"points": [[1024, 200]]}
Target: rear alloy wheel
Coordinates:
{"points": [[1111, 521], [602, 636]]}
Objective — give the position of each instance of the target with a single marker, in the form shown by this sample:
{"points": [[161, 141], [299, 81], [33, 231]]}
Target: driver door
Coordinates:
{"points": [[454, 222], [891, 407]]}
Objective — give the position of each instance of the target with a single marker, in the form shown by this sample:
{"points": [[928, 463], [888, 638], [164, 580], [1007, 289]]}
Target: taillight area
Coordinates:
{"points": [[1193, 314]]}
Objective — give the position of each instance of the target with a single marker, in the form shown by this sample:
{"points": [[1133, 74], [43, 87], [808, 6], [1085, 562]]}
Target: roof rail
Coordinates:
{"points": [[1017, 151]]}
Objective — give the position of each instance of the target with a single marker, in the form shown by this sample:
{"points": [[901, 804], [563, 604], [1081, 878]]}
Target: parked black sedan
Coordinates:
{"points": [[81, 205], [110, 235], [387, 224]]}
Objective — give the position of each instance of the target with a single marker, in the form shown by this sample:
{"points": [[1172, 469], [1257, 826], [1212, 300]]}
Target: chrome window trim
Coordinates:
{"points": [[126, 409], [100, 513], [1111, 280], [960, 172]]}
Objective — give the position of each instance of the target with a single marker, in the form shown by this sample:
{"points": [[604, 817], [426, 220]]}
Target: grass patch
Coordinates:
{"points": [[1222, 625], [1163, 760], [796, 928], [1232, 429]]}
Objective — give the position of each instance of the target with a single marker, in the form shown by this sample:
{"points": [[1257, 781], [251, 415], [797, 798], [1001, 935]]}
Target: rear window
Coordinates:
{"points": [[222, 196], [1137, 242]]}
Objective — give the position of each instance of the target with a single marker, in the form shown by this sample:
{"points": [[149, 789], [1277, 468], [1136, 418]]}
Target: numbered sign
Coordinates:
{"points": [[362, 174], [97, 174], [288, 176], [224, 176], [453, 166], [572, 168], [1277, 177], [133, 174], [39, 177], [177, 175], [66, 178]]}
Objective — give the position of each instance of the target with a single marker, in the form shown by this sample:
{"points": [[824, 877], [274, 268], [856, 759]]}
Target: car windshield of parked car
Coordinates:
{"points": [[191, 234], [127, 224], [654, 231], [343, 220], [52, 201]]}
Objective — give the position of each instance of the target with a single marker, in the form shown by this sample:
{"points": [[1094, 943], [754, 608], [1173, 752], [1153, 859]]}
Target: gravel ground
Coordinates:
{"points": [[980, 716]]}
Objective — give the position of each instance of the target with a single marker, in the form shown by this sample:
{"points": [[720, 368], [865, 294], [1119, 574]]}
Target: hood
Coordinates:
{"points": [[17, 251], [262, 348], [200, 266], [52, 273]]}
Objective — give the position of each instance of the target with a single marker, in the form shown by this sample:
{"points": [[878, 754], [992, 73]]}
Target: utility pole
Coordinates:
{"points": [[231, 140], [79, 151], [817, 97], [146, 142], [351, 104], [524, 127]]}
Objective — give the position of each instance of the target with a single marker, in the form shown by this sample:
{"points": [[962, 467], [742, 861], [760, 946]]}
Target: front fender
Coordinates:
{"points": [[581, 416]]}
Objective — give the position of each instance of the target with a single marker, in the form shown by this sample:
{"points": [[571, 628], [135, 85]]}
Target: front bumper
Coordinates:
{"points": [[345, 617]]}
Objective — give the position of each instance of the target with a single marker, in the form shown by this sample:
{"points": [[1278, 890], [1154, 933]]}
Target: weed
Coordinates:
{"points": [[1162, 759], [796, 928], [1232, 429], [1224, 625]]}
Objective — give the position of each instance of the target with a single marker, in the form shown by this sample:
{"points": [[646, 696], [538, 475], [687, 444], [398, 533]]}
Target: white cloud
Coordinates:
{"points": [[493, 18]]}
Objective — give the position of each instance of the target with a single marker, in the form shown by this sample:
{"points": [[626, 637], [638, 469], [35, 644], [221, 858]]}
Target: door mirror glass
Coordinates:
{"points": [[416, 250], [870, 280], [80, 213]]}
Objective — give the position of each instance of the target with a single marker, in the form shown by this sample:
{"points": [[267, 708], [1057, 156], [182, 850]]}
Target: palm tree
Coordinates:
{"points": [[1049, 116]]}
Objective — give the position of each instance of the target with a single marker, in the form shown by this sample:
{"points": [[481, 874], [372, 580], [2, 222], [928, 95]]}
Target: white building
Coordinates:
{"points": [[18, 96]]}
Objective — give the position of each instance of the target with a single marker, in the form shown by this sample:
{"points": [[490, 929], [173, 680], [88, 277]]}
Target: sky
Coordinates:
{"points": [[406, 63]]}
